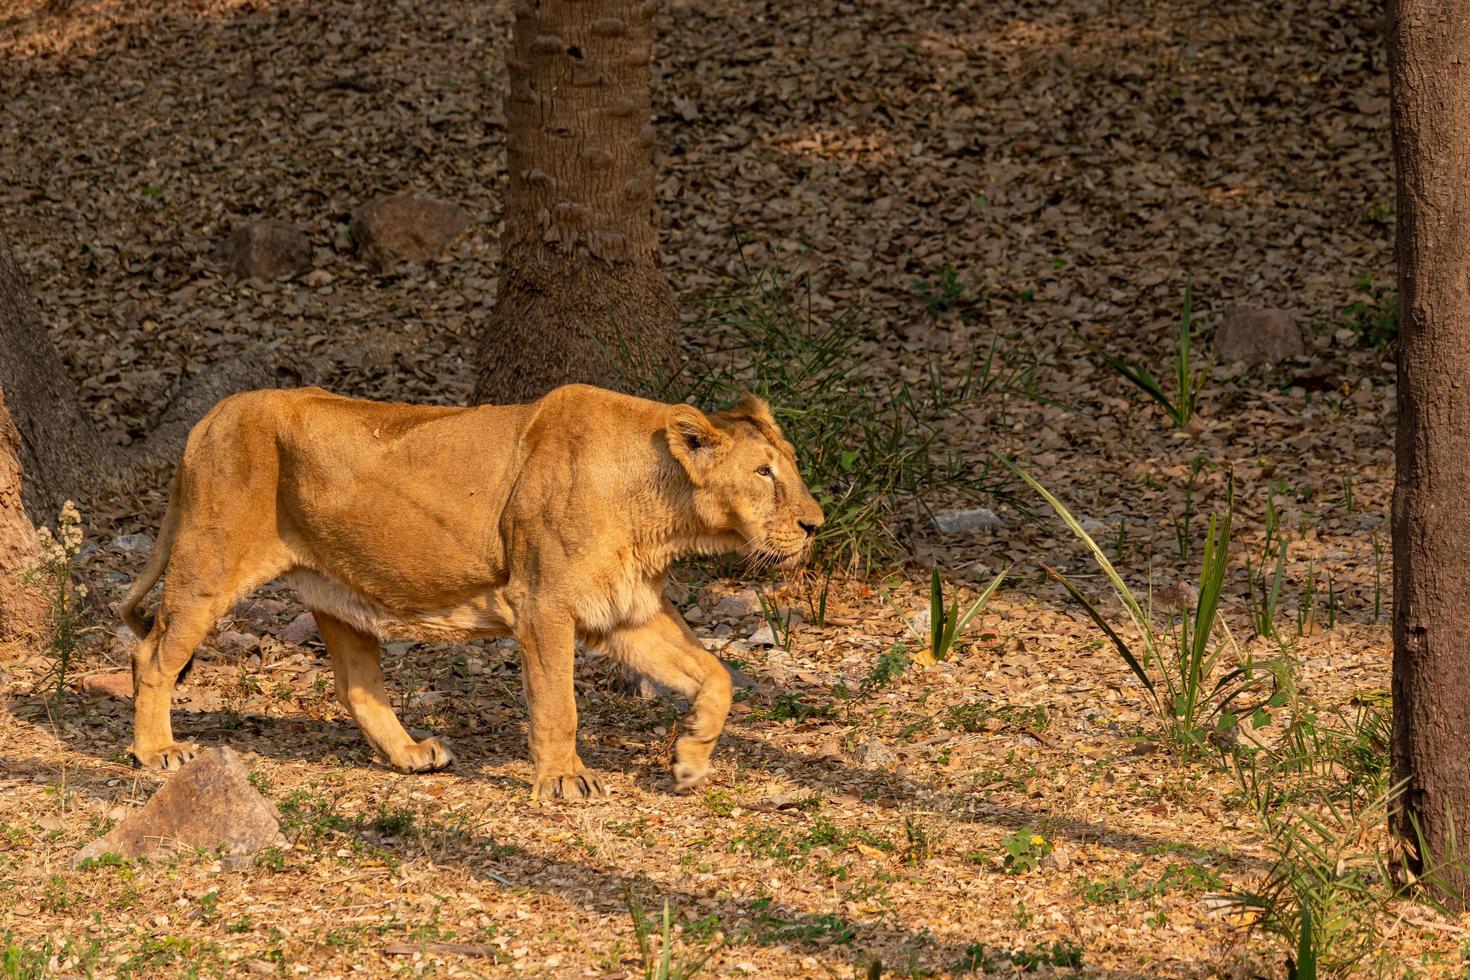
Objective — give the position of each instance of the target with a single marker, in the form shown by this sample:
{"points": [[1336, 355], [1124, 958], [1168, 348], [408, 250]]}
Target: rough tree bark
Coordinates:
{"points": [[1429, 68], [49, 451], [582, 296], [22, 609], [59, 449]]}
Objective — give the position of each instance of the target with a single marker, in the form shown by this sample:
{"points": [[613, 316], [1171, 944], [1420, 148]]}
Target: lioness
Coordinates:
{"points": [[548, 522]]}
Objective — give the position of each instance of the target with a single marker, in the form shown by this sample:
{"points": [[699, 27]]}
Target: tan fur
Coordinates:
{"points": [[549, 522]]}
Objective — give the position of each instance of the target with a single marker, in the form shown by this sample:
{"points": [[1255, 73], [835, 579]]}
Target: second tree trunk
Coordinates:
{"points": [[582, 296]]}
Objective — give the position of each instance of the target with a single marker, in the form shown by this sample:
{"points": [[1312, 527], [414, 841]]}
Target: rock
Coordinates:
{"points": [[299, 630], [874, 753], [133, 544], [257, 615], [694, 614], [405, 228], [764, 637], [124, 641], [737, 605], [266, 249], [740, 680], [207, 805], [921, 621], [113, 684], [234, 641], [969, 519], [1259, 337]]}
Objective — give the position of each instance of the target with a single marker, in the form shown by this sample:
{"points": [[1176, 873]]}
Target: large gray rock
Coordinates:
{"points": [[1259, 337], [266, 249], [405, 228], [208, 805]]}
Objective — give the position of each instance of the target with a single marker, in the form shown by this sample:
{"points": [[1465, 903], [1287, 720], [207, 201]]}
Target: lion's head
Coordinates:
{"points": [[745, 479]]}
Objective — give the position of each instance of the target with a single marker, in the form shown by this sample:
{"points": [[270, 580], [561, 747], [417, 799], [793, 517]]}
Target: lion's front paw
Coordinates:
{"points": [[576, 786], [689, 776], [168, 758], [430, 755]]}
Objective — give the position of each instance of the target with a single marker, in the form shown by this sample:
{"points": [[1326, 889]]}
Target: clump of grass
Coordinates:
{"points": [[1180, 663], [1189, 373], [665, 965], [947, 624], [1321, 798], [871, 444]]}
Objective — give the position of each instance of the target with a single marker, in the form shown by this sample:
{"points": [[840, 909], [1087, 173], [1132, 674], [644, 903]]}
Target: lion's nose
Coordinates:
{"points": [[808, 527]]}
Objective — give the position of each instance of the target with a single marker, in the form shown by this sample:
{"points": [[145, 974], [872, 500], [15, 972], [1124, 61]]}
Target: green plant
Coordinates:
{"points": [[979, 958], [52, 575], [871, 445], [778, 619], [1376, 320], [1183, 525], [1189, 374], [1264, 593], [1180, 664], [1022, 851], [945, 625], [941, 293], [768, 929], [664, 966]]}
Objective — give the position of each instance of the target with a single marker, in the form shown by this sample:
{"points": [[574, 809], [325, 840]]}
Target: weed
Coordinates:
{"points": [[920, 841], [791, 707], [664, 966], [1264, 594], [1190, 877], [1189, 374], [1375, 320], [768, 929], [979, 958], [52, 575], [1183, 525], [943, 292], [393, 823], [890, 666], [778, 619], [978, 715], [795, 848], [1178, 665], [1023, 851], [945, 625]]}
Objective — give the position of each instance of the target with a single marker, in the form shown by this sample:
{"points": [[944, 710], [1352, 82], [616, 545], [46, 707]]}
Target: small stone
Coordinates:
{"points": [[405, 228], [1259, 337], [737, 605], [318, 277], [113, 684], [694, 614], [124, 640], [740, 680], [265, 249], [969, 519], [299, 630], [874, 753], [207, 805], [763, 637], [234, 641], [920, 622], [133, 544]]}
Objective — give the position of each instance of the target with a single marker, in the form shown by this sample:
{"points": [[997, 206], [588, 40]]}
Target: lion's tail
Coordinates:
{"points": [[152, 570]]}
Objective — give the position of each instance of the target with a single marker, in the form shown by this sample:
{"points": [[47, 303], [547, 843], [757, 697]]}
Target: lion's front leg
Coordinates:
{"points": [[548, 650], [667, 651]]}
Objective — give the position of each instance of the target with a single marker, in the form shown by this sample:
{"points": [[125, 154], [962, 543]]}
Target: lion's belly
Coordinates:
{"points": [[483, 616]]}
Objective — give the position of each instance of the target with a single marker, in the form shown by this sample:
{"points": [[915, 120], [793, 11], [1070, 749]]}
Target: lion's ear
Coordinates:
{"points": [[754, 407], [693, 440]]}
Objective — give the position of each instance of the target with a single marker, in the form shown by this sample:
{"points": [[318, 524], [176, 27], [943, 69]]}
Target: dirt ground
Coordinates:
{"points": [[1074, 163]]}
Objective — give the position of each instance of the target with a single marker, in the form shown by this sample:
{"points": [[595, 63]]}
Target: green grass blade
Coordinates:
{"points": [[1125, 595], [936, 614], [1107, 629]]}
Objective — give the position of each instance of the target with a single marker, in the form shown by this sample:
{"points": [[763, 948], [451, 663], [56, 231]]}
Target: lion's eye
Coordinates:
{"points": [[763, 471]]}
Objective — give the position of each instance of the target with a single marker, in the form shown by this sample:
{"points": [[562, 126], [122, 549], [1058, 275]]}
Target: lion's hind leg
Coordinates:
{"points": [[196, 595], [664, 650], [356, 662]]}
